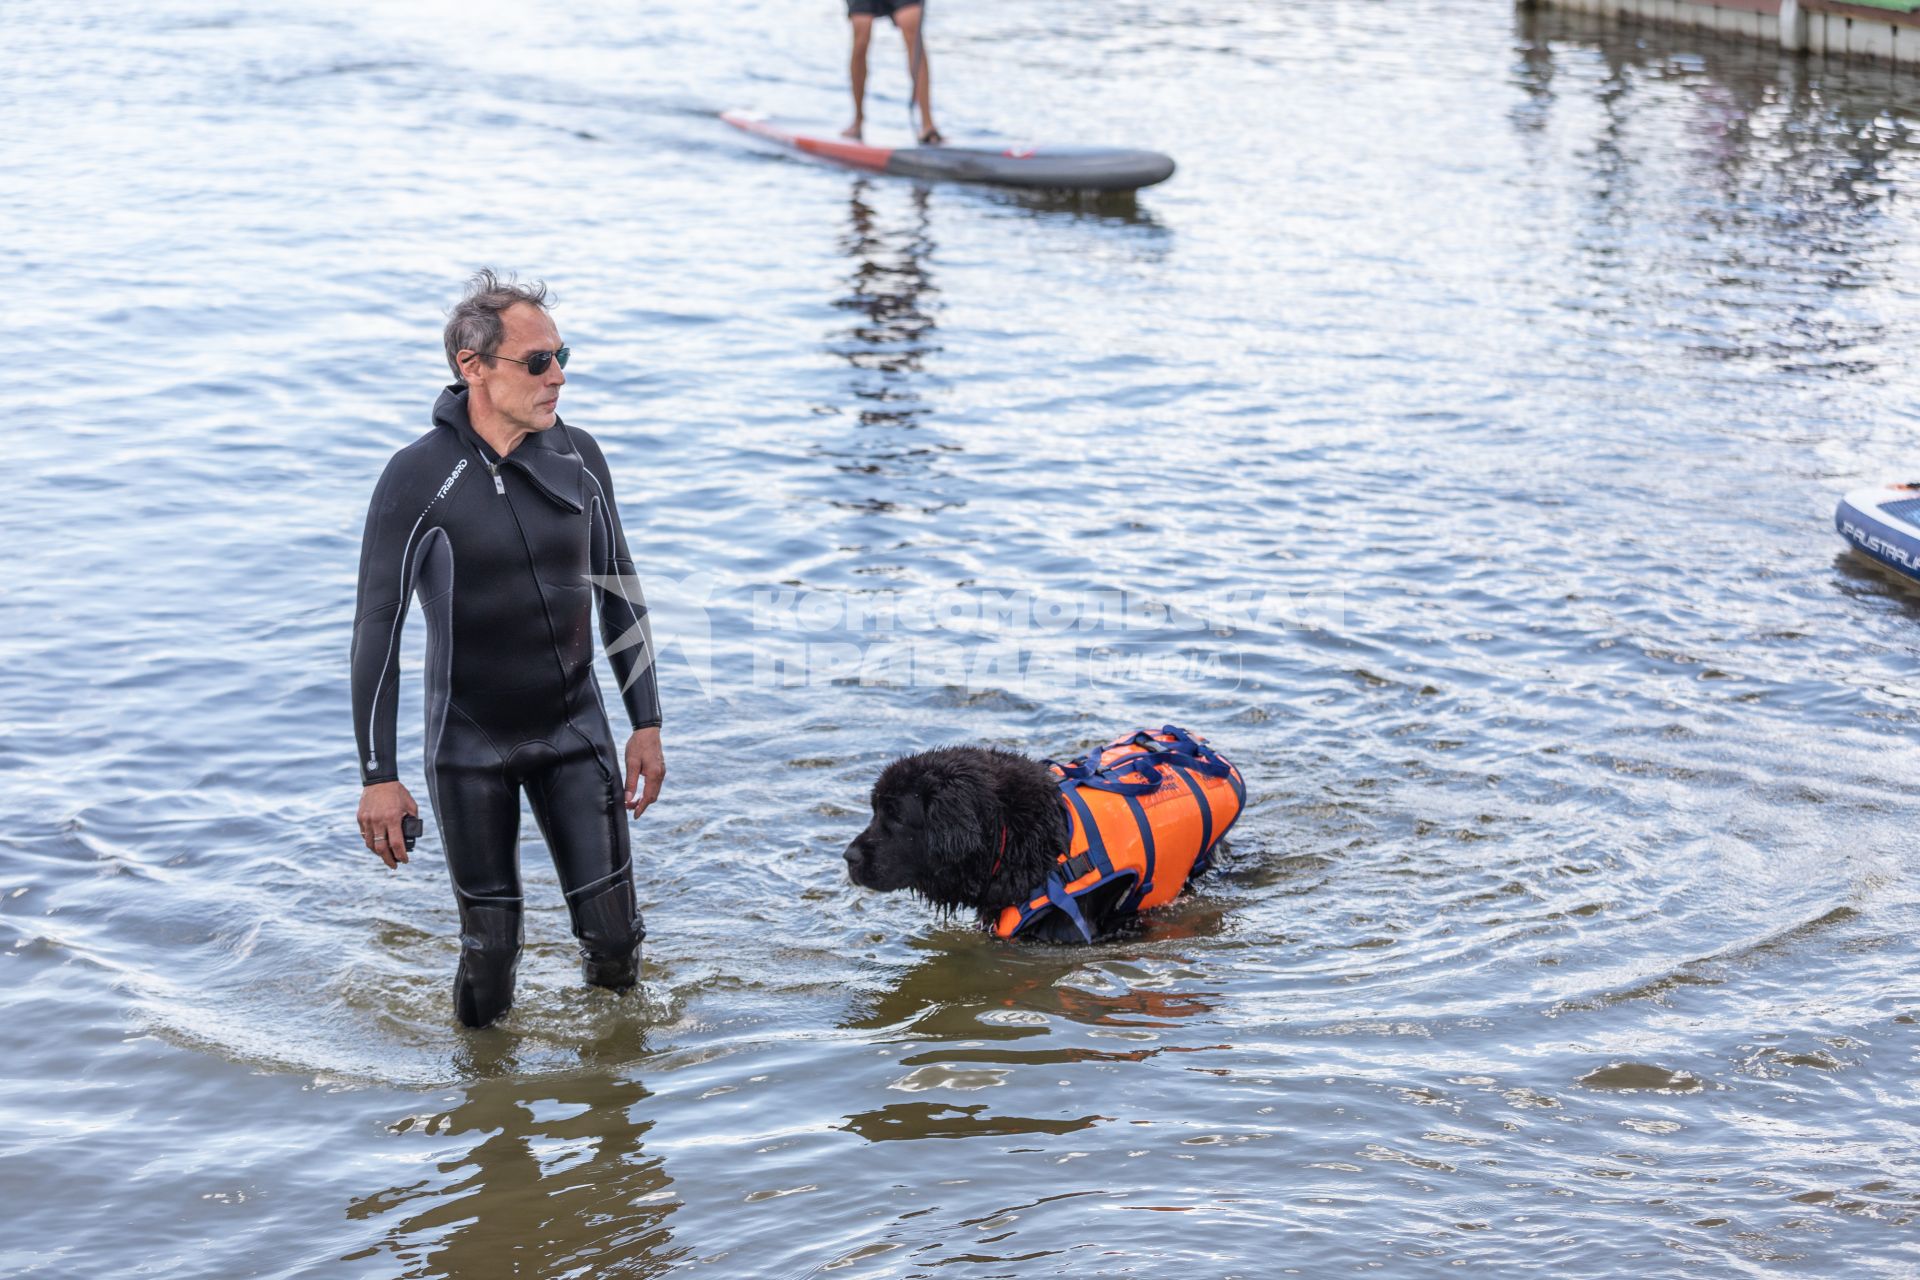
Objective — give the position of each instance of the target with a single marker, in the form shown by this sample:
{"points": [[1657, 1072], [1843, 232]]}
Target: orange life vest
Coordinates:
{"points": [[1152, 807]]}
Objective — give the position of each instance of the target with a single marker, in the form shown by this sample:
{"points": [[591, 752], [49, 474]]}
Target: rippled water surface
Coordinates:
{"points": [[1514, 362]]}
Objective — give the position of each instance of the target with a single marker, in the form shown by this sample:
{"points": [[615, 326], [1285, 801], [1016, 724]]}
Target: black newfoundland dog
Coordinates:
{"points": [[976, 829]]}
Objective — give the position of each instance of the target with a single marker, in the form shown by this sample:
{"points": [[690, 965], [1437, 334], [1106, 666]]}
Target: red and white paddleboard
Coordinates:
{"points": [[1053, 167]]}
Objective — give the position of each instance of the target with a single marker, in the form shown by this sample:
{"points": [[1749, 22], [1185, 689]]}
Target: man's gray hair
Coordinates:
{"points": [[474, 323]]}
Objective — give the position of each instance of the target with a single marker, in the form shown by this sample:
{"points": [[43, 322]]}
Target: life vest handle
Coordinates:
{"points": [[1116, 788], [1085, 773]]}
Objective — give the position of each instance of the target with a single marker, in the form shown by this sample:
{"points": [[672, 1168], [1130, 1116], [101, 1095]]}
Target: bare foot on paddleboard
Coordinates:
{"points": [[931, 137], [852, 131]]}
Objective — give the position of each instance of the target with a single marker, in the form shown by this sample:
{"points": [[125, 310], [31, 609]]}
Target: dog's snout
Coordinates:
{"points": [[856, 856]]}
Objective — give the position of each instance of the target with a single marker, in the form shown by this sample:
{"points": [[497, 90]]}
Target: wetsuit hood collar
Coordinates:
{"points": [[547, 458]]}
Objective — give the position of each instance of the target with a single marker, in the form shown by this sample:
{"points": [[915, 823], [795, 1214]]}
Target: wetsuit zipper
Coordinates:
{"points": [[553, 635]]}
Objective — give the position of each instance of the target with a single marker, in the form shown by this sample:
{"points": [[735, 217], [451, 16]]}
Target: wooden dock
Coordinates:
{"points": [[1880, 30]]}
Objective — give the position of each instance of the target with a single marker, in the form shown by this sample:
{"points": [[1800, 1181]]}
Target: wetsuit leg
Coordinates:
{"points": [[576, 800], [478, 811]]}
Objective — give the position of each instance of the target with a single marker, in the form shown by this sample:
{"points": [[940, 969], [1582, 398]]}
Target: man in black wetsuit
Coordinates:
{"points": [[501, 520]]}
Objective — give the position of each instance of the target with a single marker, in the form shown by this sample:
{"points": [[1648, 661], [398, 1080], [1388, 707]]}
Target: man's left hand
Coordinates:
{"points": [[644, 761]]}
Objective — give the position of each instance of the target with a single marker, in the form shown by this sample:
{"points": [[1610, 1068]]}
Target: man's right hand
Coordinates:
{"points": [[382, 805]]}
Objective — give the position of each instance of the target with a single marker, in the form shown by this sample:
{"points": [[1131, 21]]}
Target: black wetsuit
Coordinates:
{"points": [[503, 555]]}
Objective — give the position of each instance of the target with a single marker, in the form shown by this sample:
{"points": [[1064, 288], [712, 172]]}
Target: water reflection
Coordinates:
{"points": [[558, 1179], [908, 1121], [964, 977], [1119, 208], [893, 292], [968, 1000], [1861, 579], [1766, 202], [893, 299]]}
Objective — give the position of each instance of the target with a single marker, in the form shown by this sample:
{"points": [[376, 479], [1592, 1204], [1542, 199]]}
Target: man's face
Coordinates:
{"points": [[529, 403]]}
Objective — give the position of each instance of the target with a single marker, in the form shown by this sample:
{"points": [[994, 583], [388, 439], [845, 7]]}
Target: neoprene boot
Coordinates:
{"points": [[489, 954], [607, 922]]}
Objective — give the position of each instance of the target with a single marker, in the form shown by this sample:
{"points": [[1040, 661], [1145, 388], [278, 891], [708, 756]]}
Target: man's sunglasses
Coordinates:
{"points": [[537, 362]]}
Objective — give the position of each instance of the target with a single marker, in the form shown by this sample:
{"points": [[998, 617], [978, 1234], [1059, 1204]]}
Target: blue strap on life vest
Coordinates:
{"points": [[1207, 761], [1206, 810], [1204, 759], [1083, 773], [1144, 885], [1145, 765], [1096, 844], [1058, 896]]}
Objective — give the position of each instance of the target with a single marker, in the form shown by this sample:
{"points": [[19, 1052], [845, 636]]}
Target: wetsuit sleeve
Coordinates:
{"points": [[386, 572], [624, 628]]}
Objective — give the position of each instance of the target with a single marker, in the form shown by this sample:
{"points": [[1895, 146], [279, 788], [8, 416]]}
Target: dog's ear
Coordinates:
{"points": [[910, 810], [956, 810], [953, 816]]}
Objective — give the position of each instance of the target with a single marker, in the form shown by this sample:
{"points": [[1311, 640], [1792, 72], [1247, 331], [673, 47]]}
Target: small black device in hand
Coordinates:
{"points": [[410, 829]]}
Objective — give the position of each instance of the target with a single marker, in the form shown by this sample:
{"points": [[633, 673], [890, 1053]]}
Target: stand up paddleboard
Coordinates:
{"points": [[1884, 522], [1072, 168]]}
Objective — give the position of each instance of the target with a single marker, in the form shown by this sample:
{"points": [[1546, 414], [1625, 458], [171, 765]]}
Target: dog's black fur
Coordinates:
{"points": [[936, 832]]}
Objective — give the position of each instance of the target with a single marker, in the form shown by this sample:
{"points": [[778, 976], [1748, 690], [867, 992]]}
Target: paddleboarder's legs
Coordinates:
{"points": [[906, 17], [862, 35]]}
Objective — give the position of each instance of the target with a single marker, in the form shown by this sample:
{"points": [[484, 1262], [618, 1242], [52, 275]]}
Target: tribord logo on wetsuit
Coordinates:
{"points": [[448, 482]]}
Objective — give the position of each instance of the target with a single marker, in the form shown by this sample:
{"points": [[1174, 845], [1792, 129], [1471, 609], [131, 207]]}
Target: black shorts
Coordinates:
{"points": [[881, 8]]}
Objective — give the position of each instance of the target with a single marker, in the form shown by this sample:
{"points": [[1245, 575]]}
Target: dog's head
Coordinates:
{"points": [[960, 827]]}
